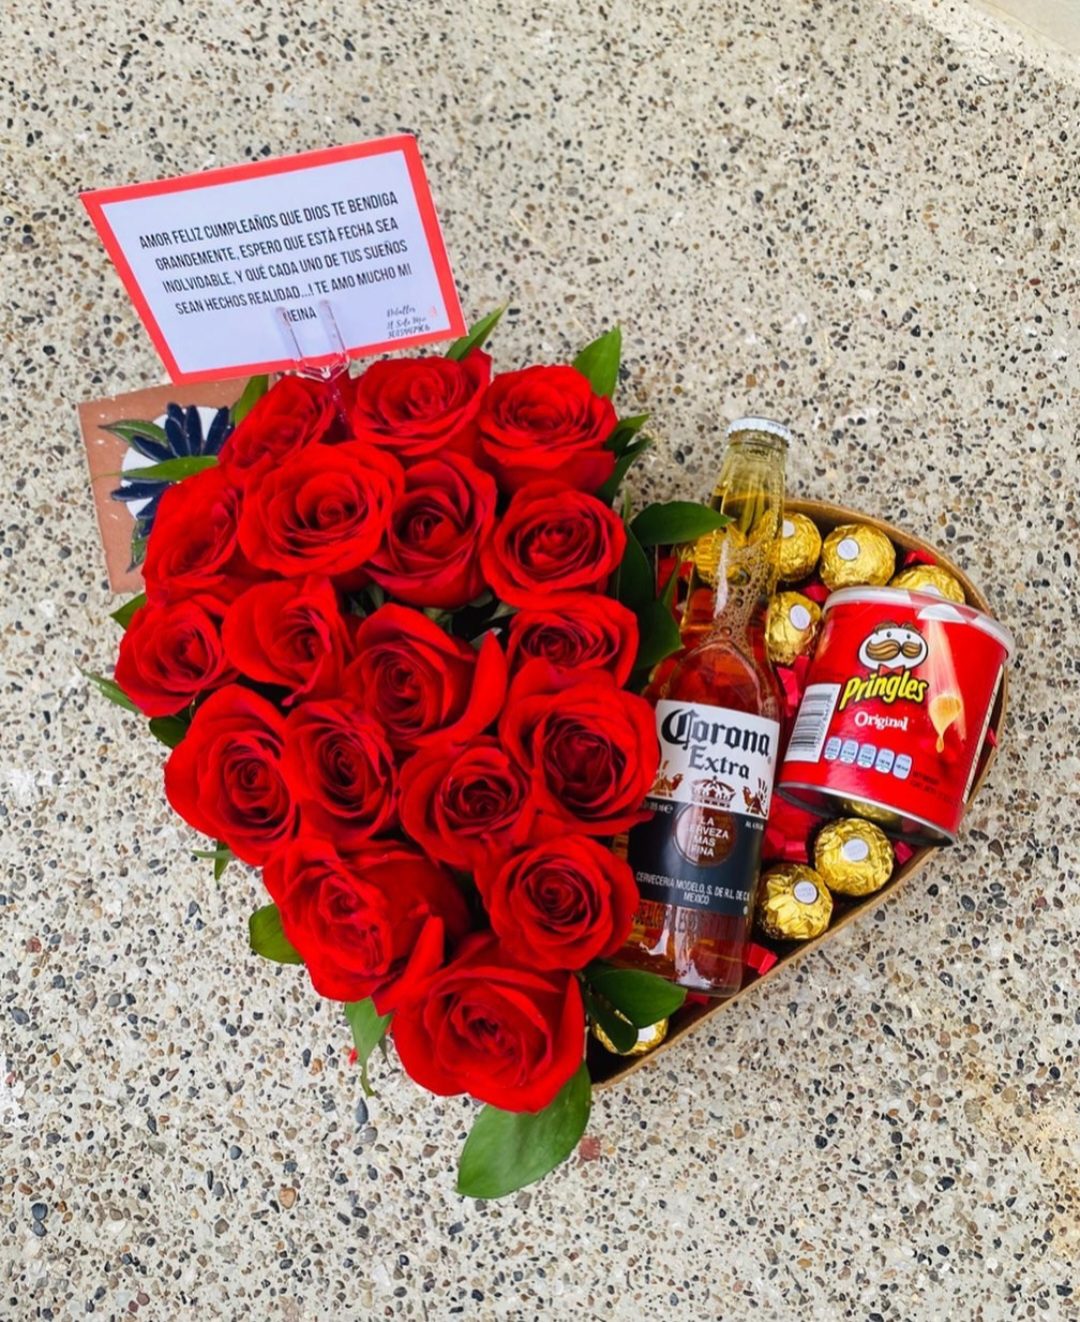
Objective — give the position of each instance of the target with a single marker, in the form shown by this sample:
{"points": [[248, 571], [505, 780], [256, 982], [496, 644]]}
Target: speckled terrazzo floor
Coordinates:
{"points": [[859, 217]]}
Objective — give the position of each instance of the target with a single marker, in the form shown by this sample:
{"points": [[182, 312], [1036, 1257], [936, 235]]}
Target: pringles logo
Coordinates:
{"points": [[892, 653]]}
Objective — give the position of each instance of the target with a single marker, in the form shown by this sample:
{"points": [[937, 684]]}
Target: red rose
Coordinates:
{"points": [[431, 555], [340, 769], [486, 1026], [416, 407], [562, 903], [294, 412], [225, 777], [170, 654], [422, 685], [460, 804], [544, 422], [289, 632], [552, 539], [371, 924], [322, 511], [579, 631], [193, 548], [589, 747]]}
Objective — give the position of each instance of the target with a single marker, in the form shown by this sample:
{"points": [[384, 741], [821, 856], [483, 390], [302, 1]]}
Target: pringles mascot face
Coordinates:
{"points": [[893, 647]]}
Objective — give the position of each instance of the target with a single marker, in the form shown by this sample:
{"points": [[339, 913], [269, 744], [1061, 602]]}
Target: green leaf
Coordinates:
{"points": [[599, 362], [642, 997], [639, 677], [667, 597], [507, 1150], [222, 851], [253, 392], [138, 549], [368, 1031], [477, 336], [625, 432], [626, 459], [170, 470], [636, 581], [123, 615], [658, 634], [127, 429], [112, 690], [223, 857], [267, 938], [170, 730], [620, 1034], [675, 523]]}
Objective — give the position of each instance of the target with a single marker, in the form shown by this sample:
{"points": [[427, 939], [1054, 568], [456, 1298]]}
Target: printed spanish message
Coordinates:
{"points": [[214, 262]]}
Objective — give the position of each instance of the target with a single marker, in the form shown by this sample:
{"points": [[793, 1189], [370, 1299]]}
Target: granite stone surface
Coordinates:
{"points": [[860, 217]]}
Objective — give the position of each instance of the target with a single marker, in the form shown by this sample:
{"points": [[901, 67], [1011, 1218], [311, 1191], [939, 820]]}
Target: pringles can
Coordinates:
{"points": [[896, 708]]}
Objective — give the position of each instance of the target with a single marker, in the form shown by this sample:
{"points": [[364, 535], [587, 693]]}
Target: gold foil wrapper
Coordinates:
{"points": [[930, 578], [800, 546], [791, 627], [709, 549], [793, 903], [855, 554], [853, 856], [870, 812], [648, 1038]]}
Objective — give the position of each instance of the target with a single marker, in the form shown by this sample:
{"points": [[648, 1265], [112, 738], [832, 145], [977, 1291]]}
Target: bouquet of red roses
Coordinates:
{"points": [[392, 632]]}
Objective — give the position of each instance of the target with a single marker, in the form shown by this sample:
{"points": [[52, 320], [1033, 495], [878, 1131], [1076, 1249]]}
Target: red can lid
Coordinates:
{"points": [[927, 606]]}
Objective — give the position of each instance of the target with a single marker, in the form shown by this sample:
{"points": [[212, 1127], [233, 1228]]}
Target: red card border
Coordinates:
{"points": [[97, 199]]}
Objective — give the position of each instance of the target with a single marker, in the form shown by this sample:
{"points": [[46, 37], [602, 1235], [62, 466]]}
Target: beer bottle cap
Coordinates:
{"points": [[761, 424]]}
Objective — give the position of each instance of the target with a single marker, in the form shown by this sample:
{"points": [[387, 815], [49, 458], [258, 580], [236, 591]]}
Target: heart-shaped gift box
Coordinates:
{"points": [[606, 1068]]}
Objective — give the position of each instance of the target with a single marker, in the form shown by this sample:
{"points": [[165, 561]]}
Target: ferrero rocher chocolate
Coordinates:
{"points": [[793, 903], [930, 578], [853, 856], [800, 546], [872, 812], [709, 549], [791, 627], [855, 554], [647, 1039]]}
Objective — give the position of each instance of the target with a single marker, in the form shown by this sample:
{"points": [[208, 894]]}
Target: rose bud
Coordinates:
{"points": [[171, 653], [340, 769], [487, 1026], [295, 411], [369, 924], [561, 904], [544, 422], [417, 407], [462, 803], [322, 511], [431, 553], [589, 748], [422, 685], [579, 631], [552, 539], [225, 778], [194, 548], [290, 632]]}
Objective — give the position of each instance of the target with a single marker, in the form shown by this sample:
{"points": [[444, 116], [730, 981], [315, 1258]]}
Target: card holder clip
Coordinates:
{"points": [[332, 372]]}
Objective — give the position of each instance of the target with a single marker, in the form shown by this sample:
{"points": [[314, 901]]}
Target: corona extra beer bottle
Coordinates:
{"points": [[717, 716]]}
